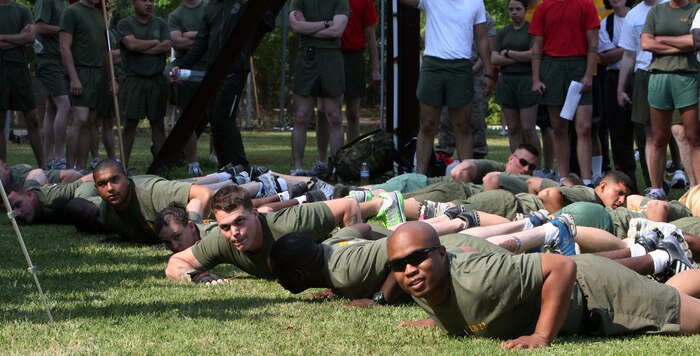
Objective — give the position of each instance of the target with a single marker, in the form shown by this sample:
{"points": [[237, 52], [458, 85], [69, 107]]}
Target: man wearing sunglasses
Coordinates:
{"points": [[530, 299]]}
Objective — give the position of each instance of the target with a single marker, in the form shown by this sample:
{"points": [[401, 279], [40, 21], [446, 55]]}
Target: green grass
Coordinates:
{"points": [[113, 299]]}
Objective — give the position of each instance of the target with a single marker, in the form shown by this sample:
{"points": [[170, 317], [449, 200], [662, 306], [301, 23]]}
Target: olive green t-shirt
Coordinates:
{"points": [[320, 10], [53, 200], [88, 29], [19, 172], [688, 224], [514, 40], [485, 166], [578, 193], [149, 195], [142, 64], [491, 295], [663, 20], [13, 18], [49, 11], [186, 19], [314, 219]]}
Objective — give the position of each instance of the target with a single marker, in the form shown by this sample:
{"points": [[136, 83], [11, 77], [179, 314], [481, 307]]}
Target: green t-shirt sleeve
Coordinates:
{"points": [[296, 5], [124, 29], [166, 192], [650, 23], [343, 8], [211, 250], [164, 30], [26, 15], [175, 21], [42, 11], [498, 44], [314, 219], [68, 20], [578, 193]]}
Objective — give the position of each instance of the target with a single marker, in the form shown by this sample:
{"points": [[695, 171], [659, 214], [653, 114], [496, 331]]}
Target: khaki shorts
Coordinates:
{"points": [[514, 91], [445, 82], [354, 64], [93, 82], [319, 72], [16, 90], [145, 97], [669, 91], [52, 75], [557, 74]]}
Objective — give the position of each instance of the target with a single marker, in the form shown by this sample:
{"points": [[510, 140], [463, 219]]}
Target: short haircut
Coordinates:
{"points": [[528, 147], [230, 198], [619, 177], [608, 5], [108, 163], [173, 213], [523, 2], [289, 254]]}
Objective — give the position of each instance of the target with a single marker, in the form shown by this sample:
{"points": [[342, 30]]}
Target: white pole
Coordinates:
{"points": [[395, 51], [382, 65]]}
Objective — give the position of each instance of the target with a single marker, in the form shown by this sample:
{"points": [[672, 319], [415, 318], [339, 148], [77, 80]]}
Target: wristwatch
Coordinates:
{"points": [[326, 24], [379, 298]]}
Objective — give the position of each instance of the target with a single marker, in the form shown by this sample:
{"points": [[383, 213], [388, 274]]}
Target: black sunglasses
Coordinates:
{"points": [[414, 259], [524, 163]]}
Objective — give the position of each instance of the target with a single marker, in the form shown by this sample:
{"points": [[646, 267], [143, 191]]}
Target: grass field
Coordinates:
{"points": [[114, 299]]}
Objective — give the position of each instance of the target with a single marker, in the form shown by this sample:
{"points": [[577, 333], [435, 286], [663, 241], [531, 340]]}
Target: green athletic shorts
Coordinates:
{"points": [[676, 210], [590, 215], [145, 97], [16, 89], [354, 64], [621, 219], [445, 191], [319, 72], [640, 103], [53, 175], [620, 301], [548, 183], [498, 202], [669, 91], [409, 182], [105, 102], [514, 91], [52, 75], [93, 82], [557, 74], [445, 82]]}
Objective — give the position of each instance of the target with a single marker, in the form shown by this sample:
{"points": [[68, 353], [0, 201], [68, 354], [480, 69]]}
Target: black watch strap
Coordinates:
{"points": [[379, 298]]}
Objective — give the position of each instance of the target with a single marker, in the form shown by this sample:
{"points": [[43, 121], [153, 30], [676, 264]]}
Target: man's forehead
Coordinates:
{"points": [[107, 173]]}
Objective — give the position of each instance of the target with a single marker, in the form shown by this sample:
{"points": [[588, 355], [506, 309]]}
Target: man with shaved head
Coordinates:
{"points": [[529, 299]]}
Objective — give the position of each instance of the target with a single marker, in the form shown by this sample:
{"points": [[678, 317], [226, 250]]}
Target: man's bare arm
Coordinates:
{"points": [[65, 43], [626, 68], [161, 48], [559, 273], [203, 194], [137, 45], [180, 41], [649, 43], [46, 30], [538, 88], [337, 26], [26, 36], [464, 172], [371, 37], [345, 211]]}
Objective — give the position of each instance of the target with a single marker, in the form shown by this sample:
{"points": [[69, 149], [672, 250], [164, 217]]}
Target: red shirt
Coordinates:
{"points": [[563, 24], [362, 14]]}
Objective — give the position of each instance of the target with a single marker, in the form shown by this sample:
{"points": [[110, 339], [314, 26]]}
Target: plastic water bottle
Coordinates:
{"points": [[364, 174], [189, 75], [38, 47]]}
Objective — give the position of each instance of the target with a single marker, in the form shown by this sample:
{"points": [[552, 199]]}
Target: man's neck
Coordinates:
{"points": [[143, 18], [191, 3]]}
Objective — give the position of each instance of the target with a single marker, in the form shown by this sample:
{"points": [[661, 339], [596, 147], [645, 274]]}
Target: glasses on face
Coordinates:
{"points": [[524, 163], [414, 259]]}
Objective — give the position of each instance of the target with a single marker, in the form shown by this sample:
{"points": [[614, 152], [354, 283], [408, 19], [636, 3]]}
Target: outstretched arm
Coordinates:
{"points": [[203, 194], [183, 266], [345, 211], [464, 172], [559, 273]]}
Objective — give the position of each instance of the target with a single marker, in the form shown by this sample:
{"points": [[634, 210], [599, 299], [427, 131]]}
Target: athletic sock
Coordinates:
{"points": [[282, 184], [222, 176], [528, 224], [587, 182], [597, 165], [637, 250], [283, 196], [301, 199], [551, 233], [661, 260]]}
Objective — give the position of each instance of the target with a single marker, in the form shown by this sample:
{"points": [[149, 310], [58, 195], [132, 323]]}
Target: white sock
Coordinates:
{"points": [[661, 260], [283, 184], [283, 196], [587, 181], [301, 199], [597, 165], [528, 224], [222, 176], [551, 233], [637, 250]]}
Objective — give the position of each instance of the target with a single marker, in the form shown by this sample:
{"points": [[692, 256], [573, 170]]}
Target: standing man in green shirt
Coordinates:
{"points": [[16, 91], [50, 70], [530, 299], [145, 43], [82, 42], [184, 24], [318, 71]]}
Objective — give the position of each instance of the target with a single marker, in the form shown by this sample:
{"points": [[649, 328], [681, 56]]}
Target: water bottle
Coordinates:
{"points": [[364, 174], [38, 47], [189, 75]]}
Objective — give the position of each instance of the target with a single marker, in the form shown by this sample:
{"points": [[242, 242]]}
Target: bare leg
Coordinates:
{"points": [[687, 282], [684, 152], [692, 133], [191, 149], [47, 128], [591, 239], [3, 141], [335, 124], [497, 229], [108, 137], [643, 265], [321, 131], [352, 113], [584, 115], [34, 132], [660, 135], [463, 131], [528, 119], [548, 147], [128, 138], [560, 127], [429, 119], [79, 130], [157, 133], [515, 134], [301, 121], [279, 205]]}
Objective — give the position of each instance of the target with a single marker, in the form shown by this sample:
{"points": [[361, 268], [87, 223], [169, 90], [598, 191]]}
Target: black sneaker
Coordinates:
{"points": [[650, 240], [232, 169], [256, 171], [315, 195], [342, 190], [298, 189], [471, 217]]}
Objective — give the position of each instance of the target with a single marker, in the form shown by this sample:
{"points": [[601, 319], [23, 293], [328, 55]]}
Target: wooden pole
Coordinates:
{"points": [[115, 100]]}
